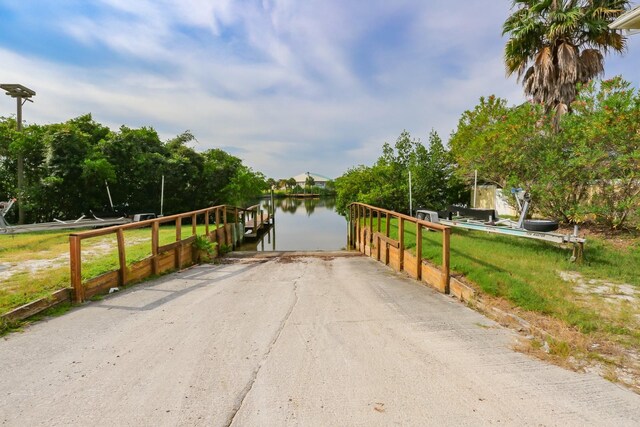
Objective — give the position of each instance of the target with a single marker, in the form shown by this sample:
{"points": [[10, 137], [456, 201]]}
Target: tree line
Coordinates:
{"points": [[435, 182], [67, 167], [575, 147], [585, 171]]}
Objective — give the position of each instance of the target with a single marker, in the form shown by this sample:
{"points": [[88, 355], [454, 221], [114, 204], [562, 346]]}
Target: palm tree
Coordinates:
{"points": [[556, 44]]}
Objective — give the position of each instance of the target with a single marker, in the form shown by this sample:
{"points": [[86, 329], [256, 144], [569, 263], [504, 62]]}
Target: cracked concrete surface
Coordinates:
{"points": [[311, 341]]}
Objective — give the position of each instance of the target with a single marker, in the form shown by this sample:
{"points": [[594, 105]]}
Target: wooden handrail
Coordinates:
{"points": [[220, 212], [363, 237], [427, 224], [141, 224]]}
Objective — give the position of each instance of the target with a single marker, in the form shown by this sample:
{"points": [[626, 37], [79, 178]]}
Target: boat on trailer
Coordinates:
{"points": [[488, 221], [56, 224]]}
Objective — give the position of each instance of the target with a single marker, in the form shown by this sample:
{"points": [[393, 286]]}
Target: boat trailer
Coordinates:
{"points": [[56, 224], [463, 218]]}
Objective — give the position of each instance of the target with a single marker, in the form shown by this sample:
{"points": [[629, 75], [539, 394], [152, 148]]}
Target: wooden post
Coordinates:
{"points": [[217, 226], [75, 263], [194, 225], [178, 250], [224, 221], [418, 251], [122, 258], [354, 226], [370, 237], [360, 216], [235, 229], [401, 240], [206, 223], [446, 240], [255, 221], [387, 232], [155, 242], [378, 218]]}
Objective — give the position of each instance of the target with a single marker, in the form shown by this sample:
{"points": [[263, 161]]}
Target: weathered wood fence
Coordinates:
{"points": [[223, 224], [367, 236]]}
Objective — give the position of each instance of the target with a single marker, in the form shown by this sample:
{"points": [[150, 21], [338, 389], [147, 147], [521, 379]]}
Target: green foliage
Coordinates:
{"points": [[67, 165], [204, 248], [386, 183], [553, 45], [589, 171], [291, 183], [309, 181]]}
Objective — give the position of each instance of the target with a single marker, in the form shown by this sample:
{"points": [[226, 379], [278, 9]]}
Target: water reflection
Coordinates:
{"points": [[291, 205], [302, 224]]}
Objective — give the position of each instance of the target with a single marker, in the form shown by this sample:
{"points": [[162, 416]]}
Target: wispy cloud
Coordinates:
{"points": [[287, 85]]}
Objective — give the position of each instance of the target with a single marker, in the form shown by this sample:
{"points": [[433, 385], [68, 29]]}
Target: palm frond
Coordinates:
{"points": [[567, 60]]}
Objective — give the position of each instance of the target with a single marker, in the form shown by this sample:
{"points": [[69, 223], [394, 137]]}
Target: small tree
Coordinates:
{"points": [[309, 181], [291, 182]]}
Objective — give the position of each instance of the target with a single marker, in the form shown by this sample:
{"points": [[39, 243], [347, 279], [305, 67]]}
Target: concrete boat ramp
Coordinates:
{"points": [[289, 339]]}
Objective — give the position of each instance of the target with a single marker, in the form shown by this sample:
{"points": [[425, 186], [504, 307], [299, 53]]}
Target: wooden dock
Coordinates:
{"points": [[305, 195], [256, 221]]}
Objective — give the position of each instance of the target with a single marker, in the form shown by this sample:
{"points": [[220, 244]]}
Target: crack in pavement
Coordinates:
{"points": [[247, 389]]}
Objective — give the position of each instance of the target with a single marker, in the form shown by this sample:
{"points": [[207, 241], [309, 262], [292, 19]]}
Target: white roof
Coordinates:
{"points": [[628, 21], [303, 177]]}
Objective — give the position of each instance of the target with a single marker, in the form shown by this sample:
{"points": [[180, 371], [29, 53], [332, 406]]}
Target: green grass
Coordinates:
{"points": [[525, 272], [51, 249]]}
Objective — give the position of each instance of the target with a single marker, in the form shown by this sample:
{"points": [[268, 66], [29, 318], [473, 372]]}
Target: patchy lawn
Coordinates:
{"points": [[33, 265]]}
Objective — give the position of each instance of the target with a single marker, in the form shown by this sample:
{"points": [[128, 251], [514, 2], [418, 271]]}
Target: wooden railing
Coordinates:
{"points": [[175, 255], [367, 236]]}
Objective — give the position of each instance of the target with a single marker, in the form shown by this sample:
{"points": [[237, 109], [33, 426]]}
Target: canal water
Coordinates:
{"points": [[303, 225]]}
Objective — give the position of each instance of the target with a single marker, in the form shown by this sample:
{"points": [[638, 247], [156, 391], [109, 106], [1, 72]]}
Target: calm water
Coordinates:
{"points": [[303, 225]]}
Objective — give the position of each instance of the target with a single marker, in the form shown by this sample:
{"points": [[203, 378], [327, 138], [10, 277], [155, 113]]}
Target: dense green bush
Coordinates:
{"points": [[67, 165], [589, 170]]}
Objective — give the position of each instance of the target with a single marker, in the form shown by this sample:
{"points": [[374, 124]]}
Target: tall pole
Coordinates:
{"points": [[162, 197], [109, 194], [21, 94], [475, 188], [20, 167]]}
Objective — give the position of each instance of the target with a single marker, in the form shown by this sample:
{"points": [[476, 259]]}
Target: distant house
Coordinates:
{"points": [[629, 21], [319, 180]]}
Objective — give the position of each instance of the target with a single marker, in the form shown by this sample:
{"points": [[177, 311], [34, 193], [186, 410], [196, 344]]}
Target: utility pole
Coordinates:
{"points": [[22, 94]]}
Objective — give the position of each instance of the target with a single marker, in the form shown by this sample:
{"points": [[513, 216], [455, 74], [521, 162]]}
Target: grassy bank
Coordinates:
{"points": [[33, 265], [599, 296]]}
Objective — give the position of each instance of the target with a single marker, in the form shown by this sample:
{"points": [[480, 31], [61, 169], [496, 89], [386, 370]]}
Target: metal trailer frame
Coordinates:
{"points": [[4, 208], [511, 228], [63, 225], [56, 224]]}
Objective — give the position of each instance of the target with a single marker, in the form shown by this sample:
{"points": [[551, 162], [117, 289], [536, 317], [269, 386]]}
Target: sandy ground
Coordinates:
{"points": [[92, 250], [289, 341]]}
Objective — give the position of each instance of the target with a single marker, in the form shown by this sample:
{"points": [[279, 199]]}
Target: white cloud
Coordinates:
{"points": [[288, 85]]}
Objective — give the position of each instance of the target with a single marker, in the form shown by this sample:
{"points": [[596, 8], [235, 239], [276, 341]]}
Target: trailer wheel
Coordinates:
{"points": [[543, 225]]}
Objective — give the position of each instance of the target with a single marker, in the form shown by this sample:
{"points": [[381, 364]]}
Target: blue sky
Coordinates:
{"points": [[287, 85]]}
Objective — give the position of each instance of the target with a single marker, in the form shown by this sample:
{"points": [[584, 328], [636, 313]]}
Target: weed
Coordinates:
{"points": [[559, 348], [225, 249]]}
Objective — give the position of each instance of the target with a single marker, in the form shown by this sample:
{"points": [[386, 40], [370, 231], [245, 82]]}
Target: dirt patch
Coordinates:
{"points": [[553, 340], [47, 261], [287, 260], [618, 239], [611, 292]]}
